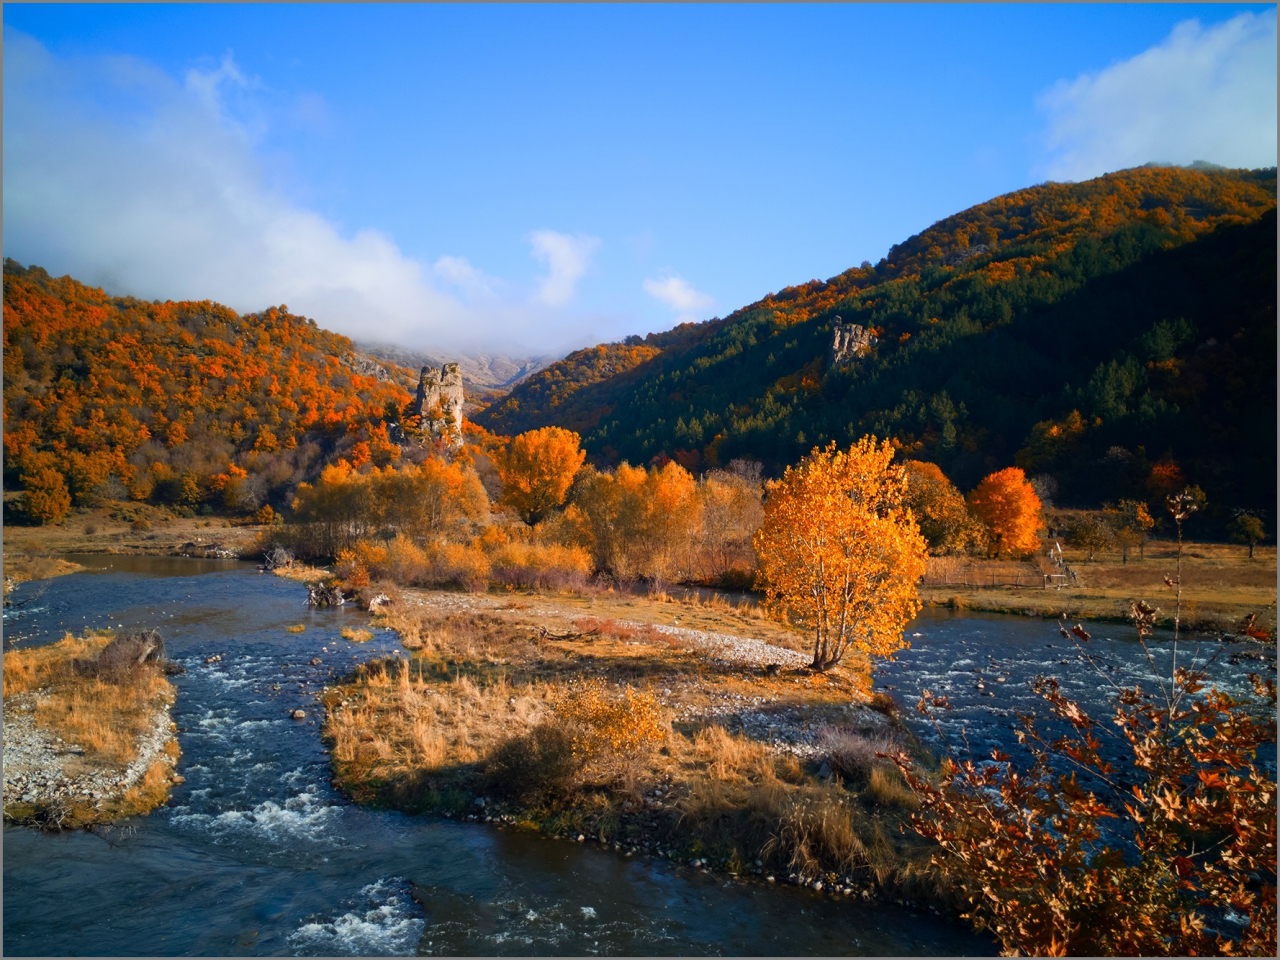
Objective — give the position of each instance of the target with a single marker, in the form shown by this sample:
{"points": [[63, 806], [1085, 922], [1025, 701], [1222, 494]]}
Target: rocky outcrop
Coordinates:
{"points": [[959, 256], [366, 366], [439, 403], [849, 342]]}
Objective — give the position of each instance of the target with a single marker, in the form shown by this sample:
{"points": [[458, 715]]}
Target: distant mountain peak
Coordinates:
{"points": [[481, 372]]}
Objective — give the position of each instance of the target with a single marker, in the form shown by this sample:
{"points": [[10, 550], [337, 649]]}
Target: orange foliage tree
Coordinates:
{"points": [[1165, 480], [429, 501], [839, 555], [1010, 509], [939, 508], [537, 470], [46, 496], [639, 522]]}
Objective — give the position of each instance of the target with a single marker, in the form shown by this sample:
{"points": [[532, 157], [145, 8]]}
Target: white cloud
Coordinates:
{"points": [[676, 293], [208, 84], [1201, 94], [458, 272], [123, 177], [566, 258]]}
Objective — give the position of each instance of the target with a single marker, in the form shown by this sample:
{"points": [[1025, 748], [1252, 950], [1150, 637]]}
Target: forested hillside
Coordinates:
{"points": [[184, 403], [1085, 331], [558, 394]]}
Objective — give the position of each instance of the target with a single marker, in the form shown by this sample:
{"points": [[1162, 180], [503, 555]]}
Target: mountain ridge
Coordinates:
{"points": [[759, 382]]}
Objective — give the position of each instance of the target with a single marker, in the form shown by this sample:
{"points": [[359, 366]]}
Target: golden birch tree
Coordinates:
{"points": [[839, 555]]}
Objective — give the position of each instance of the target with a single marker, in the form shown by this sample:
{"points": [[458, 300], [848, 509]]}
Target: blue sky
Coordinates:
{"points": [[534, 178]]}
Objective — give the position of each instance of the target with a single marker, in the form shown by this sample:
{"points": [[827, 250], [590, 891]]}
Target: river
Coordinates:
{"points": [[256, 854]]}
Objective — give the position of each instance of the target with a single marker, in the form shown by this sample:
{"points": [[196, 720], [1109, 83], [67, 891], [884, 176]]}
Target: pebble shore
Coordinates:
{"points": [[35, 760]]}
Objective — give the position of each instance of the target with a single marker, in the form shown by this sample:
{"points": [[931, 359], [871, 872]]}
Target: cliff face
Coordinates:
{"points": [[849, 342], [439, 402]]}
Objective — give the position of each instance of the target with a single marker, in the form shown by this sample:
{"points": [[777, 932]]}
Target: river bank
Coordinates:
{"points": [[1221, 586], [84, 745], [521, 711]]}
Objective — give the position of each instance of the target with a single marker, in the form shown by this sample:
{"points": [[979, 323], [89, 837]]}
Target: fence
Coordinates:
{"points": [[994, 576]]}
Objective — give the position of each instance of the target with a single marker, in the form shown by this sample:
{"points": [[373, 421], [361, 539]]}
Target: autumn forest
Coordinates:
{"points": [[1108, 342]]}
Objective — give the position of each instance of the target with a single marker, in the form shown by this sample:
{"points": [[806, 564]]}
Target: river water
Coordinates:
{"points": [[256, 854]]}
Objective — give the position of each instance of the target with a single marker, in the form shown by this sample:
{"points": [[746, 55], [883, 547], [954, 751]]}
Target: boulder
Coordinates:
{"points": [[124, 654]]}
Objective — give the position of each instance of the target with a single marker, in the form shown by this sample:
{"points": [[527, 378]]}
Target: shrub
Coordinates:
{"points": [[605, 628], [1030, 852], [884, 703], [140, 525], [532, 766], [624, 723], [459, 564], [853, 755], [351, 569], [47, 498], [545, 566]]}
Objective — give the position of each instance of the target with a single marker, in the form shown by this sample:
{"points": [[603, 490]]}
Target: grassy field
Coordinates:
{"points": [[101, 717], [563, 719], [1220, 586]]}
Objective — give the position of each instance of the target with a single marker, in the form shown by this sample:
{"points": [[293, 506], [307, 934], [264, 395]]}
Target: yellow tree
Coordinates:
{"points": [[47, 499], [839, 555], [671, 518], [638, 522], [939, 508], [537, 469], [429, 500], [1009, 507], [1131, 522]]}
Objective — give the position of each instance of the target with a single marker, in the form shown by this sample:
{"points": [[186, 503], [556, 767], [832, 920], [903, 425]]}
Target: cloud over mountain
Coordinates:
{"points": [[1200, 94], [121, 175]]}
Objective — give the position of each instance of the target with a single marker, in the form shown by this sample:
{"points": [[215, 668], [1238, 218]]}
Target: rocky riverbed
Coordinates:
{"points": [[43, 772]]}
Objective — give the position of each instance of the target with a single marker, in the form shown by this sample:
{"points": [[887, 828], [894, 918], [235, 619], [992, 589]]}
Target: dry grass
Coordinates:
{"points": [[1220, 587], [20, 568], [296, 628], [26, 671], [303, 573], [396, 721], [480, 709], [165, 535], [356, 635], [104, 715]]}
